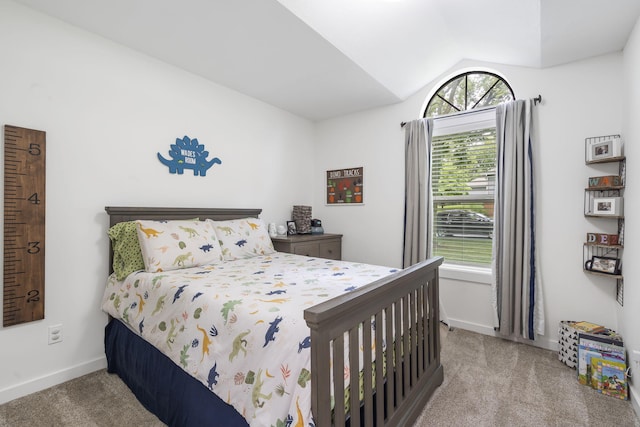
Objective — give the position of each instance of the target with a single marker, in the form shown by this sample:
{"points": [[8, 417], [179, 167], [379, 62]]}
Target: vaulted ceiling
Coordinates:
{"points": [[325, 58]]}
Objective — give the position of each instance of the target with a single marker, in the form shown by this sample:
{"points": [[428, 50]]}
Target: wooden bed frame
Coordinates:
{"points": [[401, 308]]}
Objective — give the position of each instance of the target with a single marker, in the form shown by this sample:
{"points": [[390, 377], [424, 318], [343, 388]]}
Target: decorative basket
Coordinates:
{"points": [[568, 343], [302, 217], [569, 333]]}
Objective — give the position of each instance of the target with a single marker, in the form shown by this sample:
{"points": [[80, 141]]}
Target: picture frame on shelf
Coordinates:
{"points": [[605, 265], [602, 148], [608, 206], [291, 228]]}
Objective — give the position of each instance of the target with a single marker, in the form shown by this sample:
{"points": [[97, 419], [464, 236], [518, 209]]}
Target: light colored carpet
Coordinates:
{"points": [[95, 400], [488, 382], [493, 382]]}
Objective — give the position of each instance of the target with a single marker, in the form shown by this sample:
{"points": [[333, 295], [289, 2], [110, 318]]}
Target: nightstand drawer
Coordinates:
{"points": [[314, 245], [331, 250], [307, 249]]}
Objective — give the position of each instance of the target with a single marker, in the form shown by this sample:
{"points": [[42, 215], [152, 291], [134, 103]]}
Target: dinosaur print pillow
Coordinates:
{"points": [[171, 245], [243, 238]]}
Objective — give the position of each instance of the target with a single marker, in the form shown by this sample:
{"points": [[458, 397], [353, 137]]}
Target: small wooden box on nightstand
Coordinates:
{"points": [[314, 245]]}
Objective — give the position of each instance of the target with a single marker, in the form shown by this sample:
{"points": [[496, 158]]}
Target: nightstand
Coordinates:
{"points": [[314, 245]]}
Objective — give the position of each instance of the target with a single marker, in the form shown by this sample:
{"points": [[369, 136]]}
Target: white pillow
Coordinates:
{"points": [[243, 238], [171, 245]]}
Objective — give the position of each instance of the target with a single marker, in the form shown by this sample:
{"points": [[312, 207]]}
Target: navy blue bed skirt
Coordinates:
{"points": [[174, 396]]}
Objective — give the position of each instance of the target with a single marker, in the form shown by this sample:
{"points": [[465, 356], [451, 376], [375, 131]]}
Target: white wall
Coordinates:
{"points": [[107, 111], [581, 99], [630, 315]]}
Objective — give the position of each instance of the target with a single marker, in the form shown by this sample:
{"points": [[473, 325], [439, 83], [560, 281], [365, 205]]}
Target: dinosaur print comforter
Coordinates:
{"points": [[238, 326]]}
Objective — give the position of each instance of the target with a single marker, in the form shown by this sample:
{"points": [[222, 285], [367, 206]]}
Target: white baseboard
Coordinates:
{"points": [[541, 341], [635, 402], [473, 327], [37, 384]]}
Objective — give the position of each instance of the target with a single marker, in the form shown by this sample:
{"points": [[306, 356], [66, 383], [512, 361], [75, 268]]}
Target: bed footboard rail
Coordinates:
{"points": [[401, 370]]}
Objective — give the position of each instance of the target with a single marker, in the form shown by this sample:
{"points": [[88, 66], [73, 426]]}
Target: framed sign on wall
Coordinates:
{"points": [[188, 153], [345, 186]]}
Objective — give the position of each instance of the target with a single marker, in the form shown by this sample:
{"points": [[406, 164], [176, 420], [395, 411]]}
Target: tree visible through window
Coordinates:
{"points": [[463, 166], [469, 91]]}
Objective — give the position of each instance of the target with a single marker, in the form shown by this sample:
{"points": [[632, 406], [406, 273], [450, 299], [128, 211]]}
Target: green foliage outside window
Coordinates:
{"points": [[469, 91]]}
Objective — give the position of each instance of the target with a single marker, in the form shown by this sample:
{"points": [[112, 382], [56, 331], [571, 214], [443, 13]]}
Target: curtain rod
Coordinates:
{"points": [[537, 100]]}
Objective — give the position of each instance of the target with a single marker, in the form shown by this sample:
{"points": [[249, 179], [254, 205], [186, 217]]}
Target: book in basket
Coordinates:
{"points": [[602, 364], [589, 327], [613, 379]]}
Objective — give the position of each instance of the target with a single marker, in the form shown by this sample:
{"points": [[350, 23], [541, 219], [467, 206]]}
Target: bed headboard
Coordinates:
{"points": [[125, 213], [119, 214]]}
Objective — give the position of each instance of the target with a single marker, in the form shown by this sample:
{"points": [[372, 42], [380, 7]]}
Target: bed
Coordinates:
{"points": [[195, 366]]}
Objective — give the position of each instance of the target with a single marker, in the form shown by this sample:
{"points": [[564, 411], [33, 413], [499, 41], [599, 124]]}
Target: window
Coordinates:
{"points": [[463, 177], [469, 91], [464, 166]]}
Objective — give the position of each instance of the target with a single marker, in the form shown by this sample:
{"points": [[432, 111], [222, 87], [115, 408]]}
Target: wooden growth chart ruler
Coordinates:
{"points": [[24, 220]]}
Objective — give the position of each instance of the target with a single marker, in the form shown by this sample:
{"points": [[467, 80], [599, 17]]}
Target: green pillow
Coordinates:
{"points": [[127, 256]]}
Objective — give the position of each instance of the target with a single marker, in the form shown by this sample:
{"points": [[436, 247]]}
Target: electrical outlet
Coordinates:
{"points": [[55, 334]]}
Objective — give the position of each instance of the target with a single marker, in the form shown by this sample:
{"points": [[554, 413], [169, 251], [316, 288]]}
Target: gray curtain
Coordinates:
{"points": [[516, 290], [418, 211], [417, 208]]}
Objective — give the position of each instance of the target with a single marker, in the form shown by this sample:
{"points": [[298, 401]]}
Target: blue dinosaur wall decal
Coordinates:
{"points": [[187, 153]]}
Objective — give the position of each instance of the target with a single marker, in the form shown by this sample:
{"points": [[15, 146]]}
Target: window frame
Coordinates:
{"points": [[459, 123], [465, 121], [466, 74]]}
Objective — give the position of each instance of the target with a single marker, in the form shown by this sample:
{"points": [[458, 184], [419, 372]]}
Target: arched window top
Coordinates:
{"points": [[469, 91]]}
